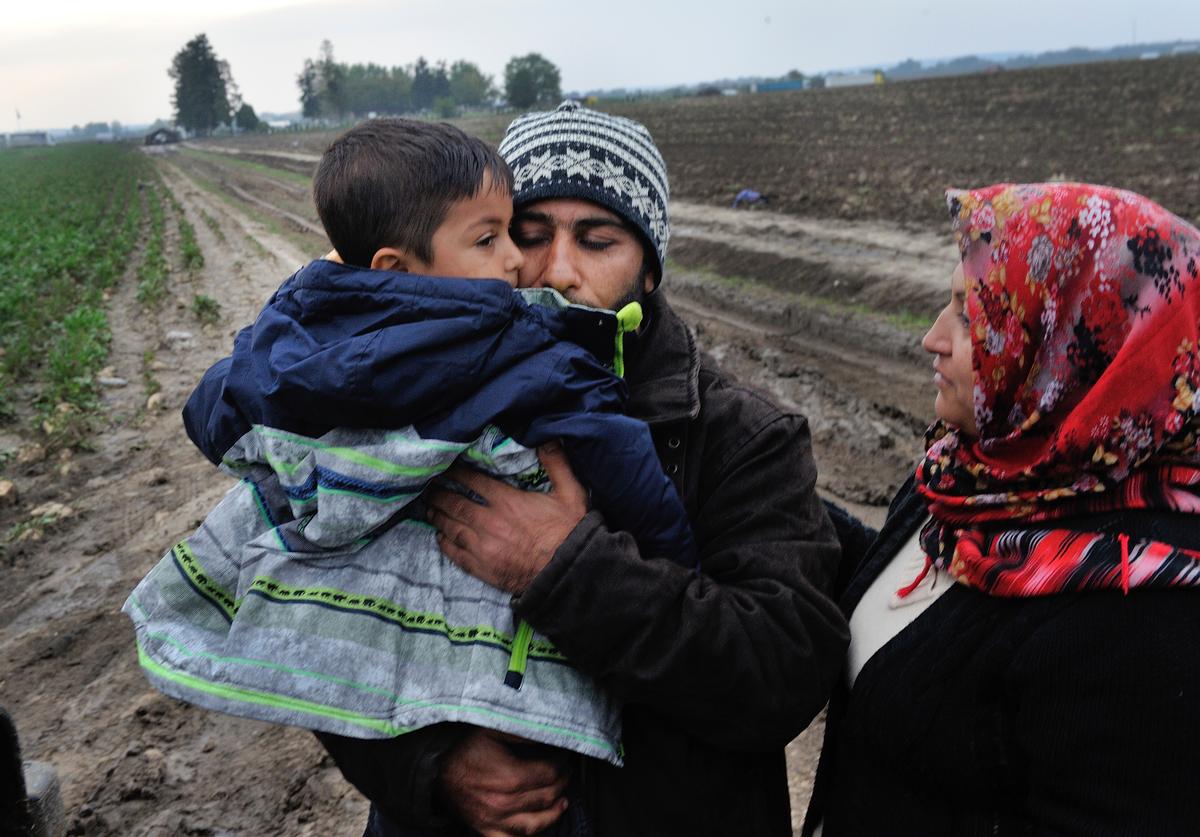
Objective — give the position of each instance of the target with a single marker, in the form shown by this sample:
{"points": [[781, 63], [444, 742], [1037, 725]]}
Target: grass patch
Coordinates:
{"points": [[189, 251], [150, 384], [190, 254], [206, 309], [152, 273]]}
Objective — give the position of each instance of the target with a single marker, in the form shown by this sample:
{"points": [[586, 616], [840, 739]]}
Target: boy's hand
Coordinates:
{"points": [[497, 793], [510, 539]]}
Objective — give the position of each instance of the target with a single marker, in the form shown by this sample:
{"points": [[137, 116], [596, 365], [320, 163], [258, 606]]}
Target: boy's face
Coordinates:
{"points": [[473, 240]]}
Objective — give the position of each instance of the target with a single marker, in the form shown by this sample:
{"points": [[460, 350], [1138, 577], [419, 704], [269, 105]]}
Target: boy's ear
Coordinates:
{"points": [[395, 259]]}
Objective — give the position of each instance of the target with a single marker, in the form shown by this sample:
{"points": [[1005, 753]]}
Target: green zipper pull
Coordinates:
{"points": [[628, 319], [519, 658]]}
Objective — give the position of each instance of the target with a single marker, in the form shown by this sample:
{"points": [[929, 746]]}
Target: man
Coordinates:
{"points": [[718, 668]]}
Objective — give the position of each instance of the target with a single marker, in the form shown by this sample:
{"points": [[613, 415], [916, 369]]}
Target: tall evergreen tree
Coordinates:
{"points": [[310, 92], [424, 86], [332, 82], [201, 97]]}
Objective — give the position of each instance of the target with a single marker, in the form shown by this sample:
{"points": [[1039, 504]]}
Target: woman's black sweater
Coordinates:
{"points": [[1069, 714]]}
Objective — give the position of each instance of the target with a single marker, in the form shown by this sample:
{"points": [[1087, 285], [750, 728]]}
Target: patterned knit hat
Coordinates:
{"points": [[574, 152]]}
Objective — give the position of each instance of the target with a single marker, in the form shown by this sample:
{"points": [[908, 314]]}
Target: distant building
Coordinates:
{"points": [[1149, 56], [30, 139], [854, 79], [1184, 49], [162, 136]]}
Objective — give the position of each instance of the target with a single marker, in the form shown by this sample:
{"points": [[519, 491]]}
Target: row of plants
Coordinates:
{"points": [[69, 221]]}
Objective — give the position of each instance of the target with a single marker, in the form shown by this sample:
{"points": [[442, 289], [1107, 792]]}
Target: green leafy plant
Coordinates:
{"points": [[206, 309]]}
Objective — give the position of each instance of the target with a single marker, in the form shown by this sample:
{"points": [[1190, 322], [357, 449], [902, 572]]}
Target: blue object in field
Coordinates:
{"points": [[747, 196]]}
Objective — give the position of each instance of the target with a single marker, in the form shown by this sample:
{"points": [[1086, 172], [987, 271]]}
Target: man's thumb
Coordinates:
{"points": [[558, 467]]}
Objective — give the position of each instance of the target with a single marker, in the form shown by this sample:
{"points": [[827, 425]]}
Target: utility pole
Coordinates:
{"points": [[18, 119]]}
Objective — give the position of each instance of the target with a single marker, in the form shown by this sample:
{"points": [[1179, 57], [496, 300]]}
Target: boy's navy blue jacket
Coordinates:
{"points": [[339, 346]]}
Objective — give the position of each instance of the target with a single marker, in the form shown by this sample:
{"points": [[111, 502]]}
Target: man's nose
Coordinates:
{"points": [[560, 270]]}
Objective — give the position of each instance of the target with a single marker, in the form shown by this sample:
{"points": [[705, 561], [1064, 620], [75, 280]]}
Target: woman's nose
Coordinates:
{"points": [[935, 340]]}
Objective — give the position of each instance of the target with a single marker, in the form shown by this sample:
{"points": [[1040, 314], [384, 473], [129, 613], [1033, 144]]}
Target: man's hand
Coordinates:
{"points": [[508, 541], [498, 794]]}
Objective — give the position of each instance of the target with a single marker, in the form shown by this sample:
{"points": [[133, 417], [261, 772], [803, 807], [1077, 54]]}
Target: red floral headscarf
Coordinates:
{"points": [[1084, 311]]}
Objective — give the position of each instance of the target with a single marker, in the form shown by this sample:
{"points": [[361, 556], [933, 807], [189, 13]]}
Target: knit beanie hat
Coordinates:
{"points": [[575, 152]]}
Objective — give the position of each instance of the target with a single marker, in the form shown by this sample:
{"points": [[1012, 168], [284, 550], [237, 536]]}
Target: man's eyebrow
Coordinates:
{"points": [[595, 223], [530, 215]]}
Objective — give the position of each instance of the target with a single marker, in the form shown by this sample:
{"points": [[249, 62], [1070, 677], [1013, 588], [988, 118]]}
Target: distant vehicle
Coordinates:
{"points": [[854, 79], [162, 136], [30, 139]]}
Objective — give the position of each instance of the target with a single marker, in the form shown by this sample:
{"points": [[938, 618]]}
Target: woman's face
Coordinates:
{"points": [[949, 341]]}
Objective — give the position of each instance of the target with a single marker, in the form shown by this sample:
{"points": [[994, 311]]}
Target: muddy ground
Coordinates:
{"points": [[797, 317]]}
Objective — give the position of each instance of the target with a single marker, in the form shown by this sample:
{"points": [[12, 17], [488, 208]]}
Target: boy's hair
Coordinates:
{"points": [[389, 183]]}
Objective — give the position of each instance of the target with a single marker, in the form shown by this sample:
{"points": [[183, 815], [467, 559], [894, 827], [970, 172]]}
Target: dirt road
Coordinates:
{"points": [[135, 763]]}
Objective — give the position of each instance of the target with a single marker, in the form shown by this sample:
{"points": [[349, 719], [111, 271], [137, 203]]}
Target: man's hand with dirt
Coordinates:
{"points": [[505, 541]]}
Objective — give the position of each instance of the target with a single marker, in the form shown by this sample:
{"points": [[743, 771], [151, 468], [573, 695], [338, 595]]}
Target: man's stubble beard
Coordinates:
{"points": [[636, 290]]}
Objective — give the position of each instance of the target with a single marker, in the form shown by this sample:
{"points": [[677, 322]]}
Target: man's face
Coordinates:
{"points": [[583, 251]]}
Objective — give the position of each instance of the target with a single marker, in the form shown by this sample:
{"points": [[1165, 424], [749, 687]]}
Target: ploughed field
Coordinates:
{"points": [[125, 274], [886, 152]]}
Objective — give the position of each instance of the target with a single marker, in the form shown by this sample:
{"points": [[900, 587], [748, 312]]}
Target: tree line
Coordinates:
{"points": [[331, 89], [207, 97]]}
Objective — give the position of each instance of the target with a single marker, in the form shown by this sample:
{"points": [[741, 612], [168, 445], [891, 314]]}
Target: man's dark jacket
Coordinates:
{"points": [[718, 669]]}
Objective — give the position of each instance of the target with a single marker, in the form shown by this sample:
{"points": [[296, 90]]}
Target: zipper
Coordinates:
{"points": [[519, 658]]}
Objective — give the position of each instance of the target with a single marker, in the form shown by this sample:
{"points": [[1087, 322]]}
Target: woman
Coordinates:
{"points": [[1056, 688]]}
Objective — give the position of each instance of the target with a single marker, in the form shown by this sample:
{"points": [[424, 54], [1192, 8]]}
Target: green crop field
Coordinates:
{"points": [[70, 218]]}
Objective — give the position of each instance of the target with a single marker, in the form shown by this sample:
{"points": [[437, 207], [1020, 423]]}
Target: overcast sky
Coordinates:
{"points": [[65, 63]]}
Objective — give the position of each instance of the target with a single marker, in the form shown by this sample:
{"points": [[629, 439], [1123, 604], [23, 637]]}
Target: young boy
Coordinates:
{"points": [[315, 594]]}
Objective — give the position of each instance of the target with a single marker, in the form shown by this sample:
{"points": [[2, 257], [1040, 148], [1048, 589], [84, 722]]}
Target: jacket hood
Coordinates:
{"points": [[357, 337]]}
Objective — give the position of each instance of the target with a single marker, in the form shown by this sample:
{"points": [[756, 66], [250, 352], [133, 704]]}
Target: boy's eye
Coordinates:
{"points": [[486, 241]]}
